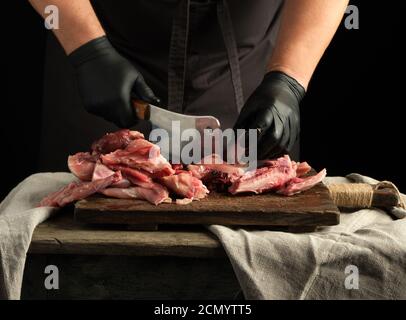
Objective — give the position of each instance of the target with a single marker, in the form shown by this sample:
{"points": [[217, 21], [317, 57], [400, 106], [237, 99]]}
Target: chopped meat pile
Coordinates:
{"points": [[124, 165]]}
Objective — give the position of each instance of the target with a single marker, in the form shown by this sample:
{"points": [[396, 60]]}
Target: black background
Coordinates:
{"points": [[352, 117]]}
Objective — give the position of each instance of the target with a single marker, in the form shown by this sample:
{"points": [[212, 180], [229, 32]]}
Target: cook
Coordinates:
{"points": [[248, 63]]}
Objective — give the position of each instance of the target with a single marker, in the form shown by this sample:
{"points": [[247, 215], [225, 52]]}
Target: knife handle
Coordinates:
{"points": [[141, 108], [348, 195]]}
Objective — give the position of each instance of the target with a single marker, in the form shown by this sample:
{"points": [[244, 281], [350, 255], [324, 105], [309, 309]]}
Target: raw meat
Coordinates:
{"points": [[215, 162], [78, 190], [202, 171], [263, 179], [126, 166], [186, 185], [183, 201], [123, 183], [178, 167], [302, 169], [157, 193], [140, 154], [297, 185], [215, 174], [116, 140], [101, 171], [143, 147], [154, 195], [82, 165], [135, 176]]}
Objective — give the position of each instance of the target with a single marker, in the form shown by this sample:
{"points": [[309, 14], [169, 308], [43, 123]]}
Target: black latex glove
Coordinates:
{"points": [[273, 109], [106, 82]]}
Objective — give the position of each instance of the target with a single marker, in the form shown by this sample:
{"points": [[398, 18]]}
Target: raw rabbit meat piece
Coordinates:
{"points": [[154, 196], [298, 185], [82, 165], [272, 177], [140, 154], [78, 190], [186, 185], [117, 140]]}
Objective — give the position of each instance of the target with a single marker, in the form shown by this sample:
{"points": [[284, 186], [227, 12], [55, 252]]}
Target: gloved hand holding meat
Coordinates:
{"points": [[124, 165]]}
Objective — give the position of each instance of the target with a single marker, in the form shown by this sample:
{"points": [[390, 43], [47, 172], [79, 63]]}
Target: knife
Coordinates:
{"points": [[165, 119]]}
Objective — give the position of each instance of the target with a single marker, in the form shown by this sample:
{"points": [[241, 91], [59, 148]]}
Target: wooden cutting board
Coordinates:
{"points": [[308, 209]]}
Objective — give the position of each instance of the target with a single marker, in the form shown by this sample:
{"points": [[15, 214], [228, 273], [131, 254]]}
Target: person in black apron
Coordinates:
{"points": [[200, 57]]}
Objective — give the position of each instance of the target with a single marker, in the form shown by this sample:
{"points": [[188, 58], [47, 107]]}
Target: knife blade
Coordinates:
{"points": [[162, 118], [165, 119]]}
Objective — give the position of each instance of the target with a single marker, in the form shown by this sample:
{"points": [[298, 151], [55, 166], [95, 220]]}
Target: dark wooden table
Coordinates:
{"points": [[111, 263]]}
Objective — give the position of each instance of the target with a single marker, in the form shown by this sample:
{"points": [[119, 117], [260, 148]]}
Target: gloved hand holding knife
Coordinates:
{"points": [[107, 81], [273, 109]]}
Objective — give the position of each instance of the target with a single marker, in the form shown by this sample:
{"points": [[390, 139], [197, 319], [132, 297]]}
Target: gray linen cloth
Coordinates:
{"points": [[268, 264], [18, 219], [322, 265]]}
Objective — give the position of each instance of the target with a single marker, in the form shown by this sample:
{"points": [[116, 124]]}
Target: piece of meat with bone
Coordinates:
{"points": [[298, 185], [178, 167], [78, 190], [157, 193], [53, 199], [117, 140], [183, 202], [143, 147], [186, 185], [266, 178], [216, 163], [154, 195], [302, 168], [101, 171], [140, 154], [216, 174], [135, 176], [82, 165]]}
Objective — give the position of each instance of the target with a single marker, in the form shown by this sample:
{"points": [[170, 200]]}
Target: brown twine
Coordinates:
{"points": [[352, 195], [360, 195]]}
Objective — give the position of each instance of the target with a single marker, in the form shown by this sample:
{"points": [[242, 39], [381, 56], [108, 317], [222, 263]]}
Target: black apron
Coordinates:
{"points": [[200, 57]]}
